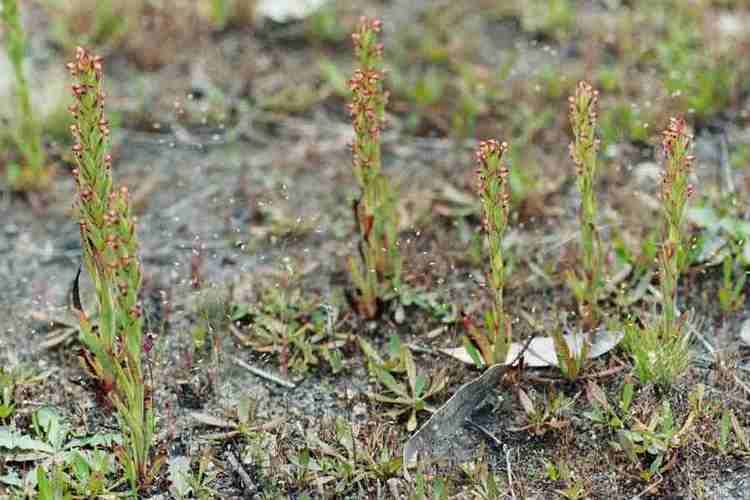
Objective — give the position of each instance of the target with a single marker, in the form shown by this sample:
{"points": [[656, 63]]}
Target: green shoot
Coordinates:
{"points": [[583, 151], [377, 274], [115, 348], [32, 173], [494, 191]]}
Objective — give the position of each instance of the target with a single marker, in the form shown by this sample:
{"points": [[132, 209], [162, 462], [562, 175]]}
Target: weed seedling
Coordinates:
{"points": [[548, 414], [731, 292], [351, 455], [494, 191], [77, 463], [114, 350], [31, 174], [603, 411], [377, 273], [571, 363], [486, 483], [658, 439], [299, 332], [559, 471], [411, 397], [583, 151]]}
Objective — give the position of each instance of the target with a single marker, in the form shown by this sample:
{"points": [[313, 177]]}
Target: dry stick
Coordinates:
{"points": [[263, 374], [484, 431], [648, 489], [741, 383], [244, 476], [509, 472]]}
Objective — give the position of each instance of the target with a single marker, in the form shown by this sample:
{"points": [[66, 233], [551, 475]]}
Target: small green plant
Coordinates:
{"points": [[100, 23], [424, 489], [114, 350], [7, 395], [560, 471], [377, 273], [349, 456], [675, 191], [225, 12], [553, 18], [571, 363], [583, 151], [731, 292], [189, 484], [731, 425], [705, 81], [657, 440], [494, 191], [410, 397], [548, 414], [31, 173], [603, 412], [299, 332], [486, 484], [77, 463]]}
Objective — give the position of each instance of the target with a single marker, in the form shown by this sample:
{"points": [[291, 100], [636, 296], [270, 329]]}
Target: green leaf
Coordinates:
{"points": [[411, 425], [474, 353], [411, 371], [725, 428], [627, 397], [12, 439], [389, 382], [370, 351], [419, 386]]}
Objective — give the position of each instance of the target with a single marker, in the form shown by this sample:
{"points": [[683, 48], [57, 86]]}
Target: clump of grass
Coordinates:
{"points": [[661, 350], [31, 174], [115, 347], [376, 274], [494, 191], [583, 151]]}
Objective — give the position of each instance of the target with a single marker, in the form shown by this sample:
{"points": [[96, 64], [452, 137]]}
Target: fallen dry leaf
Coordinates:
{"points": [[541, 351]]}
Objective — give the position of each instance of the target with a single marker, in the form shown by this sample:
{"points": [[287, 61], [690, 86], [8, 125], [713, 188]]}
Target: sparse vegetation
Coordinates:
{"points": [[30, 172], [231, 132]]}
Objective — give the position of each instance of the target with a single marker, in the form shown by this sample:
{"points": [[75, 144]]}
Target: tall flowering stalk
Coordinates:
{"points": [[675, 191], [583, 151], [115, 345], [660, 350], [494, 191], [377, 273], [32, 174]]}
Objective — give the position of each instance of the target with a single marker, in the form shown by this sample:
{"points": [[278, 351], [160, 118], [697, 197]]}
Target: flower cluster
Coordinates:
{"points": [[367, 108], [675, 191], [377, 274], [492, 185], [107, 227], [494, 192], [582, 109], [583, 150], [675, 188]]}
